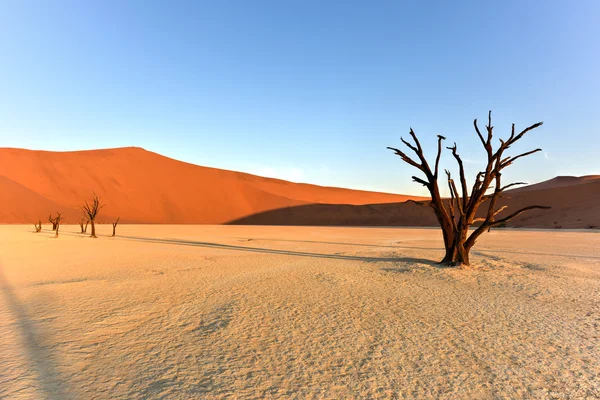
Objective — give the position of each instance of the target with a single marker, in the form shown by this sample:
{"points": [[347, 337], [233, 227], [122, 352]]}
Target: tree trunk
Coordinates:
{"points": [[57, 228], [93, 229], [457, 253], [114, 229], [81, 225], [54, 226], [86, 225]]}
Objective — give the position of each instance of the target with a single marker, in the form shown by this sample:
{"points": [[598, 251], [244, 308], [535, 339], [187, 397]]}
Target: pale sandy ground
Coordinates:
{"points": [[285, 312]]}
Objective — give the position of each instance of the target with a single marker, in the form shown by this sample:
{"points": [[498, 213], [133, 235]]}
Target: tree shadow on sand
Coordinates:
{"points": [[40, 359], [281, 252], [382, 246]]}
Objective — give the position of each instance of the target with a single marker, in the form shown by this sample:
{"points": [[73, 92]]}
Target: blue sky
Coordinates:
{"points": [[311, 91]]}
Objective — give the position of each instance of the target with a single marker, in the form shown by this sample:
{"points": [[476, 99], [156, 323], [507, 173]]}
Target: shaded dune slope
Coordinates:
{"points": [[575, 208]]}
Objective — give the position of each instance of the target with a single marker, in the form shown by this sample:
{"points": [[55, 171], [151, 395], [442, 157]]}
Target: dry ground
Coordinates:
{"points": [[286, 312]]}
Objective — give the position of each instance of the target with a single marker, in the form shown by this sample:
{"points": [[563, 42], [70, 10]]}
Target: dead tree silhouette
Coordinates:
{"points": [[57, 220], [460, 214], [114, 225], [52, 221], [83, 224], [91, 211], [38, 226]]}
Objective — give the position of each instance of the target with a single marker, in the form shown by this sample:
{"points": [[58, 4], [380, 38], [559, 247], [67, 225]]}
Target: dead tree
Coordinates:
{"points": [[38, 226], [115, 226], [57, 221], [52, 221], [91, 211], [458, 213], [83, 224]]}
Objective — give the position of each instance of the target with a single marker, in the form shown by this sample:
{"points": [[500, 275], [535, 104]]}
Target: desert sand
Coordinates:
{"points": [[144, 187], [297, 312]]}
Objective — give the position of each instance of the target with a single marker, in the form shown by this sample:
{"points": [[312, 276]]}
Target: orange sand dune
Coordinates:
{"points": [[560, 181], [145, 187]]}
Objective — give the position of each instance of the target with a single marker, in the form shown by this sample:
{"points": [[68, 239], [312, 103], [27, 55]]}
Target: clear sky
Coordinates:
{"points": [[310, 91]]}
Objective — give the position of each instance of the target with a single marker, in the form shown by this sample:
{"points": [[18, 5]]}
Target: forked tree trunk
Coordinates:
{"points": [[86, 225], [457, 253], [57, 228], [114, 225]]}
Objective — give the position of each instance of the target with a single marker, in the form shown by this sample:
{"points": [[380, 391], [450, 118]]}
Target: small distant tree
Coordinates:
{"points": [[457, 214], [91, 212], [83, 224], [114, 225], [38, 226], [57, 221], [52, 221]]}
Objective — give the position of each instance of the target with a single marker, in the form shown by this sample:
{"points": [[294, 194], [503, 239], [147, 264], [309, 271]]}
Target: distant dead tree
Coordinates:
{"points": [[115, 226], [91, 211], [83, 224], [458, 213], [38, 226], [52, 221], [57, 221]]}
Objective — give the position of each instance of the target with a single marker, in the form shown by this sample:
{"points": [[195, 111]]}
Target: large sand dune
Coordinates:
{"points": [[214, 312], [145, 187]]}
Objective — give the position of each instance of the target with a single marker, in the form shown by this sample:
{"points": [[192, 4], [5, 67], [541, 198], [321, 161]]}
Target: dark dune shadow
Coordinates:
{"points": [[409, 214], [275, 251], [39, 358], [388, 214]]}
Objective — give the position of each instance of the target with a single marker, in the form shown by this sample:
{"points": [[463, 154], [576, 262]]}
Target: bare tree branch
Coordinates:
{"points": [[406, 158], [513, 159], [523, 132], [511, 185], [422, 203], [463, 180], [516, 213], [439, 155], [421, 181], [479, 134]]}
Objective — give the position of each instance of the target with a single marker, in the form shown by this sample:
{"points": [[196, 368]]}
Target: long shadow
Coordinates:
{"points": [[345, 244], [338, 256], [40, 358], [427, 248], [279, 252]]}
